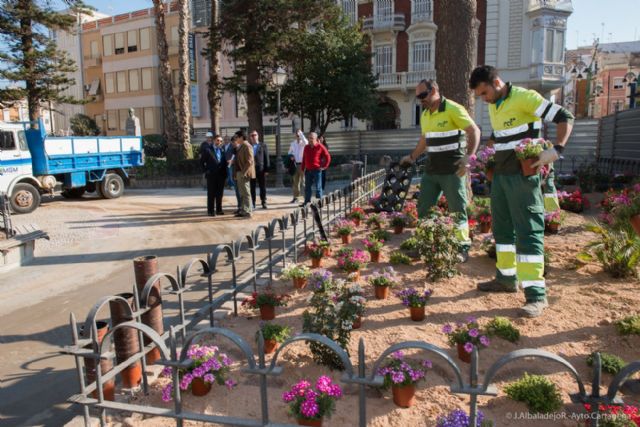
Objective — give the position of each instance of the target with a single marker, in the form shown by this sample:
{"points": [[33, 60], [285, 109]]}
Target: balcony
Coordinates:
{"points": [[421, 17], [394, 22], [550, 75], [89, 61], [564, 5], [404, 80]]}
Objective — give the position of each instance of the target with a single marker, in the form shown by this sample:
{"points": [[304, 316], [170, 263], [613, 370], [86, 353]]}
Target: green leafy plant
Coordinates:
{"points": [[630, 325], [540, 394], [375, 220], [470, 334], [438, 245], [357, 213], [397, 257], [398, 219], [618, 250], [588, 175], [610, 362], [387, 277], [83, 125], [502, 327], [410, 247], [318, 249], [266, 297], [344, 227], [373, 244], [380, 234], [273, 331], [293, 271], [530, 148]]}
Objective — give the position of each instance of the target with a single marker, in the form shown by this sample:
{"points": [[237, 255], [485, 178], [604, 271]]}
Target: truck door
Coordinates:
{"points": [[10, 158], [15, 161]]}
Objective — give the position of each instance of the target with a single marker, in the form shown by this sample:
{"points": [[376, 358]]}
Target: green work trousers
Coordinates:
{"points": [[517, 210], [551, 202], [431, 188]]}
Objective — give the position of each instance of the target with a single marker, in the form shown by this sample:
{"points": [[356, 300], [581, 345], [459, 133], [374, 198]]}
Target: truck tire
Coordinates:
{"points": [[73, 193], [25, 198], [112, 186]]}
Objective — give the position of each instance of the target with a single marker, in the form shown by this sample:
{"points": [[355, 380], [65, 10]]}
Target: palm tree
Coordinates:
{"points": [[184, 99]]}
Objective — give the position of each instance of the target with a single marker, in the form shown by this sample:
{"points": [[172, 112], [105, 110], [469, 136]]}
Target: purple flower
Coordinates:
{"points": [[468, 347], [484, 341], [397, 377], [209, 378], [397, 355], [309, 408], [447, 329], [167, 392], [230, 383], [427, 364], [474, 332], [471, 319]]}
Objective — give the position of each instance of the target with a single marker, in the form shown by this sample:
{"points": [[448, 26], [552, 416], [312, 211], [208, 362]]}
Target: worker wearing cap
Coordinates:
{"points": [[450, 137], [517, 205]]}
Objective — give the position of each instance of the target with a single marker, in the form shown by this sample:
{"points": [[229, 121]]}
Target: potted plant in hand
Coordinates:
{"points": [[208, 366], [317, 251], [465, 336], [553, 221], [382, 281], [398, 221], [416, 301], [344, 229], [266, 302], [356, 215], [273, 335], [309, 404], [527, 152], [402, 376], [353, 263], [298, 274], [373, 245]]}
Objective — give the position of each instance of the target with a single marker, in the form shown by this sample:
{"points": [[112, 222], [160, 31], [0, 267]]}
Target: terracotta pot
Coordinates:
{"points": [[462, 354], [311, 423], [300, 283], [485, 227], [635, 223], [417, 313], [316, 262], [355, 275], [131, 376], [527, 170], [103, 328], [346, 239], [108, 388], [267, 312], [356, 221], [326, 252], [404, 396], [398, 229], [382, 292], [200, 387], [375, 256], [270, 346], [153, 356], [552, 227], [357, 324], [489, 174]]}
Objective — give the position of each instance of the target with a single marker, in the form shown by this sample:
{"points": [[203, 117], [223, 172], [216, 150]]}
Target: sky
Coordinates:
{"points": [[620, 18]]}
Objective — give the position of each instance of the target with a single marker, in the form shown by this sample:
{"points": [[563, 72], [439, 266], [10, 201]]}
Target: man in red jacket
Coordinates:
{"points": [[315, 159]]}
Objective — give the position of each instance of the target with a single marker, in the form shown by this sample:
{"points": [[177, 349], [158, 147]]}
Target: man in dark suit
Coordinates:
{"points": [[261, 159], [214, 166]]}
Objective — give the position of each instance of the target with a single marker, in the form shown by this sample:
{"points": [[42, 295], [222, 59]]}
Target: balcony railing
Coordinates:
{"points": [[394, 22], [550, 4], [403, 80]]}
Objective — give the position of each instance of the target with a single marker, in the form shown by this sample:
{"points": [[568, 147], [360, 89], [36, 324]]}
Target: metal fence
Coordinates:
{"points": [[5, 217], [282, 238]]}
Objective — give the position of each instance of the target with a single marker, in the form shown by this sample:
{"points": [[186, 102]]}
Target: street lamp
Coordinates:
{"points": [[632, 81], [279, 78]]}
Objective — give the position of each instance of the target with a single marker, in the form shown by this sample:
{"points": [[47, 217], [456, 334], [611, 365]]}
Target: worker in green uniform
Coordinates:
{"points": [[517, 205], [450, 137]]}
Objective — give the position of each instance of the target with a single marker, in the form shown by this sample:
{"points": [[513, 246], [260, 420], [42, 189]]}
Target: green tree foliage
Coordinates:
{"points": [[83, 125], [29, 55]]}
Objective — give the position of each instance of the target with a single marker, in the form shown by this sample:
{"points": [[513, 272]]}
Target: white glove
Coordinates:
{"points": [[549, 155], [462, 164], [406, 160]]}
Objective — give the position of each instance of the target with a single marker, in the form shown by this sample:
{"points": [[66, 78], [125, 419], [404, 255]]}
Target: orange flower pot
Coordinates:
{"points": [[485, 227], [417, 313], [356, 221], [316, 262], [267, 312], [635, 223], [527, 169], [355, 275], [489, 174], [326, 252], [131, 376], [270, 346], [382, 292], [310, 423], [375, 256], [462, 353], [299, 283], [404, 396], [346, 239], [357, 324], [552, 227], [398, 230], [200, 387]]}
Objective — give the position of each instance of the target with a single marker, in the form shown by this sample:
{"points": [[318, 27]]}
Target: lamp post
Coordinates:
{"points": [[632, 81], [279, 78]]}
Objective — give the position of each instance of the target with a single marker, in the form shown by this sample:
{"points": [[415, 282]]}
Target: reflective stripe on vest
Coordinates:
{"points": [[442, 134], [447, 147]]}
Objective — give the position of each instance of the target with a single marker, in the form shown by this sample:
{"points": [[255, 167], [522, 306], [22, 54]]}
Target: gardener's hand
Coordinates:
{"points": [[462, 164], [549, 155], [406, 160]]}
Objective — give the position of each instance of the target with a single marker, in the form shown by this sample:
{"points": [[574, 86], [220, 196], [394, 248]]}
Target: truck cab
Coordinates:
{"points": [[16, 170]]}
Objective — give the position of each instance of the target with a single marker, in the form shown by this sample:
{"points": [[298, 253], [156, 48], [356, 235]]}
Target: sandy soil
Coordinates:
{"points": [[584, 303]]}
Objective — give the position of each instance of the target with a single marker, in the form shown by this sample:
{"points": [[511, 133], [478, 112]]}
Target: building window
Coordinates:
{"points": [[384, 59], [121, 80], [133, 80], [112, 120], [617, 106], [107, 45], [553, 45], [383, 10], [149, 118], [109, 86], [132, 41], [618, 83], [350, 10], [421, 56], [124, 114], [119, 43], [95, 50], [145, 42], [422, 8], [146, 78]]}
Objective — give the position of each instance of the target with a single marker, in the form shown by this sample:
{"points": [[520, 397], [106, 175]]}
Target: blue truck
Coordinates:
{"points": [[33, 164]]}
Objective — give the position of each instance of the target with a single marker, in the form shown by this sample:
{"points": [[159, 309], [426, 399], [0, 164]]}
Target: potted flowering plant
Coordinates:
{"points": [[382, 281], [208, 366], [375, 220], [298, 274], [266, 302], [553, 221], [373, 245], [356, 215], [320, 280], [473, 223], [459, 418], [410, 209], [484, 162], [527, 152], [416, 301], [483, 213], [354, 304], [465, 336], [402, 376], [273, 335], [438, 245], [344, 228], [309, 404], [573, 202], [617, 416], [317, 250], [398, 221], [488, 245], [354, 262], [629, 212]]}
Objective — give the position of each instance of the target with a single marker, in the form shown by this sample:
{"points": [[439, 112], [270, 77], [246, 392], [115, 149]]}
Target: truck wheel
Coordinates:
{"points": [[112, 186], [25, 198], [73, 193]]}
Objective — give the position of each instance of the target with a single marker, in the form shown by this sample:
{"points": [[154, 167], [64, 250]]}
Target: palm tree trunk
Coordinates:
{"points": [[184, 98], [214, 86]]}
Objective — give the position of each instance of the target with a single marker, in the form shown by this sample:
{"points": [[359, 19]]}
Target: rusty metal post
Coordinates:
{"points": [[126, 340], [144, 268], [108, 388]]}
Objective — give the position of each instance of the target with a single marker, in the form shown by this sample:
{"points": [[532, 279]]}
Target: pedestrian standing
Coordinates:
{"points": [[323, 141], [261, 157], [230, 151], [517, 205], [244, 170], [450, 137], [296, 150], [214, 165], [315, 159]]}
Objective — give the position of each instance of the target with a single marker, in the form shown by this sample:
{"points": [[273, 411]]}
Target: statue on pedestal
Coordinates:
{"points": [[132, 126]]}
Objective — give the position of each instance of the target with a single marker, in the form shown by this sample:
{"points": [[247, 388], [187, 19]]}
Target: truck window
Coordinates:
{"points": [[22, 141], [6, 140]]}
